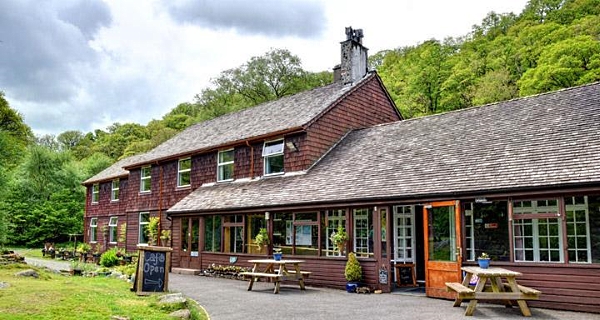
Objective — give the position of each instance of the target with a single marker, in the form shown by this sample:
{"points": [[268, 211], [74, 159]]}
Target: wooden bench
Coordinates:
{"points": [[305, 274], [526, 291], [459, 288], [256, 275]]}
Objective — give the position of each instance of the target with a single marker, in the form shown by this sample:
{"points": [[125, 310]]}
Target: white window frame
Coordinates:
{"points": [[181, 172], [95, 193], [93, 230], [144, 177], [113, 223], [404, 234], [335, 218], [537, 218], [361, 232], [142, 223], [270, 152], [114, 191], [572, 223], [221, 165]]}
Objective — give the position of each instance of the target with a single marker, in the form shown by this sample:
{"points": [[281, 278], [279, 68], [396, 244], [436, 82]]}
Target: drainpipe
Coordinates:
{"points": [[160, 195], [251, 159]]}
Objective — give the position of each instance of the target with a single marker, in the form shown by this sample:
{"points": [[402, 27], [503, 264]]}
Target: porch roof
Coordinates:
{"points": [[547, 140]]}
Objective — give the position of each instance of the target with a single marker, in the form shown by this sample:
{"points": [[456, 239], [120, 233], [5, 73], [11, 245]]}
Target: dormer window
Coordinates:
{"points": [[273, 157], [95, 193], [114, 194], [225, 165], [145, 179], [184, 172]]}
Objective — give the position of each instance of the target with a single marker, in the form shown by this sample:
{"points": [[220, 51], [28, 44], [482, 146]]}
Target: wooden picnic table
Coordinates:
{"points": [[496, 290], [276, 271]]}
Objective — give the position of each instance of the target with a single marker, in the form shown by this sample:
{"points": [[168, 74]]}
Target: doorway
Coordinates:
{"points": [[442, 236], [408, 244]]}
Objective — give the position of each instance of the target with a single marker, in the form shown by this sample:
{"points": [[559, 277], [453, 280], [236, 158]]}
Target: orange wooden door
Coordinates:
{"points": [[442, 247]]}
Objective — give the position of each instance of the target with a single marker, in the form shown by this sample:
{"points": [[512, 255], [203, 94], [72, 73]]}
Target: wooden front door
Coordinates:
{"points": [[442, 247]]}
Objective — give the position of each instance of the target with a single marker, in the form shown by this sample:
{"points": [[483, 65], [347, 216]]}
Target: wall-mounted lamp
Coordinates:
{"points": [[267, 215], [291, 146]]}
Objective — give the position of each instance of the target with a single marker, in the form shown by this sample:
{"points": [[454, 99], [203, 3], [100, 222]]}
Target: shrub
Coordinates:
{"points": [[109, 258], [353, 271]]}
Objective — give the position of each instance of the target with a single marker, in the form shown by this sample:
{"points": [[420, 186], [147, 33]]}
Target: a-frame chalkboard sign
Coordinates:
{"points": [[152, 273]]}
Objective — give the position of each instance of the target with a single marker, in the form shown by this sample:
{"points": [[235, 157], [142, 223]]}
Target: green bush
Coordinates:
{"points": [[353, 271], [109, 258]]}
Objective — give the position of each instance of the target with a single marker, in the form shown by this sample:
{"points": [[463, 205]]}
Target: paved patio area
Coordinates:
{"points": [[229, 299]]}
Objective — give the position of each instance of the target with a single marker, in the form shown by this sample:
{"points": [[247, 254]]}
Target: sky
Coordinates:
{"points": [[86, 64]]}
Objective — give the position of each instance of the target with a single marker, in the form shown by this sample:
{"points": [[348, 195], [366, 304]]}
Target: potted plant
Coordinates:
{"points": [[152, 230], [277, 254], [165, 236], [484, 260], [352, 272], [83, 249], [262, 239], [339, 238]]}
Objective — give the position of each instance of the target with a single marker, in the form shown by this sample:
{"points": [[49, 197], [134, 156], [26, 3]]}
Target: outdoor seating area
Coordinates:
{"points": [[475, 287], [276, 271]]}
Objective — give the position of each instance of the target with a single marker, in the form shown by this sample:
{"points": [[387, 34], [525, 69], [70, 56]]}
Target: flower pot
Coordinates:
{"points": [[351, 287], [484, 263], [277, 256]]}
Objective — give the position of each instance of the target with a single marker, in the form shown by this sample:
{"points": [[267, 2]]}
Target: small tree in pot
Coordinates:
{"points": [[353, 272]]}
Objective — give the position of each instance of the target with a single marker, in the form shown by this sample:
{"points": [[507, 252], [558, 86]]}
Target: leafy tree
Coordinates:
{"points": [[69, 139], [12, 123], [564, 64], [95, 163]]}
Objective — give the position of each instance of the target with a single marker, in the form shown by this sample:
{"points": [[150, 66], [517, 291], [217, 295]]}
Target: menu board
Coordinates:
{"points": [[152, 270]]}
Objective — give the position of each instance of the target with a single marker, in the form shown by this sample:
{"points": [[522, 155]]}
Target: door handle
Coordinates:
{"points": [[458, 251]]}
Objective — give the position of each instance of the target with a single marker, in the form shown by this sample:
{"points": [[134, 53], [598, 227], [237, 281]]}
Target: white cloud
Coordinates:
{"points": [[82, 65]]}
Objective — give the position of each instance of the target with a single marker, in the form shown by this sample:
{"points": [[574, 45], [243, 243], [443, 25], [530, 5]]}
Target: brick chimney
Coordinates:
{"points": [[354, 58]]}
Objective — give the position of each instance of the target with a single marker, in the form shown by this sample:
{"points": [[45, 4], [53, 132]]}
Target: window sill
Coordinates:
{"points": [[141, 193], [117, 200], [189, 186], [273, 174]]}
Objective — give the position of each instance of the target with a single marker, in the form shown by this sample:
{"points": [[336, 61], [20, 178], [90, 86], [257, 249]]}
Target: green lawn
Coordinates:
{"points": [[56, 296]]}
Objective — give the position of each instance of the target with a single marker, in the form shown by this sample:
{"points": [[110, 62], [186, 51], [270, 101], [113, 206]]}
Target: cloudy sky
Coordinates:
{"points": [[85, 64]]}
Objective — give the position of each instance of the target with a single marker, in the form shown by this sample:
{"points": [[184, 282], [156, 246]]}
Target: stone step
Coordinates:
{"points": [[186, 271]]}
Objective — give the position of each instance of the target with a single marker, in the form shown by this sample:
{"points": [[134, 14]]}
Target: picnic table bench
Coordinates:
{"points": [[276, 275]]}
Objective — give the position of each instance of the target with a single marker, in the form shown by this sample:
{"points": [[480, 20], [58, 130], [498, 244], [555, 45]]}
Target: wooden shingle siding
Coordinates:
{"points": [[365, 107], [565, 287]]}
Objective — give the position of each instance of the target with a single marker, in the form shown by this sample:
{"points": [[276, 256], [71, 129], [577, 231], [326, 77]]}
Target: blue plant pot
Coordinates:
{"points": [[277, 256], [484, 263], [351, 287]]}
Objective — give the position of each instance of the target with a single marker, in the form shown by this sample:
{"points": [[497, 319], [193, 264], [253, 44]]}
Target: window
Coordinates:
{"points": [[273, 157], [578, 233], [225, 165], [184, 172], [146, 179], [537, 231], [404, 234], [93, 229], [212, 234], [296, 233], [95, 193], [114, 195], [143, 227], [233, 230], [334, 219], [486, 230], [363, 232], [112, 229]]}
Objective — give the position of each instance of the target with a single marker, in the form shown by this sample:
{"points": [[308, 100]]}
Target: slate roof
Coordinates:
{"points": [[114, 171], [286, 113], [548, 140]]}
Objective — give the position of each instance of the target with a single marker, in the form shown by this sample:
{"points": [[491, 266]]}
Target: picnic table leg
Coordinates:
{"points": [[466, 282], [522, 303], [250, 283], [299, 276], [473, 303], [497, 286], [277, 282]]}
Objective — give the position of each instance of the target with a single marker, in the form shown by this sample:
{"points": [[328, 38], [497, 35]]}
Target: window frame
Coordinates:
{"points": [[269, 155], [186, 171], [95, 193], [112, 229], [536, 218], [114, 191], [146, 180], [93, 232], [221, 165], [142, 225]]}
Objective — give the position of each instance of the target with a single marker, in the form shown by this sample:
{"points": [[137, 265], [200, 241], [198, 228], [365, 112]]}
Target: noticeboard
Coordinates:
{"points": [[152, 273]]}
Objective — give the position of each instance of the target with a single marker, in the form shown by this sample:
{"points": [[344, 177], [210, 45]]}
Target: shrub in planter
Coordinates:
{"points": [[353, 272], [109, 258]]}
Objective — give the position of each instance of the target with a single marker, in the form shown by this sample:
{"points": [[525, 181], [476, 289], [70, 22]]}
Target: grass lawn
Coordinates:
{"points": [[56, 296]]}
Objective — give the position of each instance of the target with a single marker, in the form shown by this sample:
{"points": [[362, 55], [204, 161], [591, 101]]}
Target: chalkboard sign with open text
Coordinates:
{"points": [[405, 275], [152, 270]]}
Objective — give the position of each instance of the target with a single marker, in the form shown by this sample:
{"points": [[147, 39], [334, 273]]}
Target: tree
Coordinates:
{"points": [[12, 123], [69, 139], [564, 64]]}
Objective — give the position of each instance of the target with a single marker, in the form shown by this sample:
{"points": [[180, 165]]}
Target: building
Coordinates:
{"points": [[519, 180]]}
